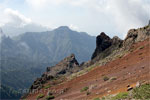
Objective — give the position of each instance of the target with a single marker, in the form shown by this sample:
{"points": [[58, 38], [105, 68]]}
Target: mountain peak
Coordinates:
{"points": [[63, 28]]}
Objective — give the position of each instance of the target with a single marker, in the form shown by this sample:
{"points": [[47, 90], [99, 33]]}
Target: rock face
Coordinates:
{"points": [[102, 42], [136, 35], [105, 46], [65, 67]]}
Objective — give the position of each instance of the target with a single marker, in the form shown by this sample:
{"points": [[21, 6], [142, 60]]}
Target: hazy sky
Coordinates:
{"points": [[113, 17]]}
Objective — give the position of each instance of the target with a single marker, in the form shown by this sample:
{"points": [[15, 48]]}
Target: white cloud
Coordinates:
{"points": [[111, 16], [43, 3], [128, 13], [16, 23], [124, 14], [16, 18]]}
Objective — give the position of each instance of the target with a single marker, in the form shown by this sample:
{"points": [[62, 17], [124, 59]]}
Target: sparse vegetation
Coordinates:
{"points": [[121, 96], [143, 92], [96, 99], [138, 93], [142, 47], [84, 89], [105, 78], [47, 86], [88, 93], [49, 97], [113, 78], [40, 96]]}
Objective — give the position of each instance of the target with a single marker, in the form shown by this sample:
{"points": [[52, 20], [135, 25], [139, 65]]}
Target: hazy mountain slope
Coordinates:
{"points": [[58, 43], [8, 93], [25, 57]]}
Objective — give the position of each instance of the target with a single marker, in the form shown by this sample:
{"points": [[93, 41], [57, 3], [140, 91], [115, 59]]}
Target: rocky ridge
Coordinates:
{"points": [[105, 46], [67, 66]]}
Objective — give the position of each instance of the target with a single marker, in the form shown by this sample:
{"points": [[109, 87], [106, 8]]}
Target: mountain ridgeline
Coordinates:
{"points": [[25, 57]]}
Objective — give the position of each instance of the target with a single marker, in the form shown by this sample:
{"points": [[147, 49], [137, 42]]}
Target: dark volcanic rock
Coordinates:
{"points": [[105, 46], [102, 42]]}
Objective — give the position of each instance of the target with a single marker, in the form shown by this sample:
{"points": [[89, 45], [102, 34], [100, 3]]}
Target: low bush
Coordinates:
{"points": [[105, 78], [142, 47], [49, 97], [47, 86], [88, 93], [40, 96], [113, 78], [84, 89], [96, 99], [120, 96], [142, 92]]}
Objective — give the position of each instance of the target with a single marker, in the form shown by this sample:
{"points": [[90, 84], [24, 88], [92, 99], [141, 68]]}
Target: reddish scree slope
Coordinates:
{"points": [[129, 69]]}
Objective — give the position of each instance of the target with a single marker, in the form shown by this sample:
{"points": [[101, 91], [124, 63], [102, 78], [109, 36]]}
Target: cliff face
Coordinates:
{"points": [[105, 46], [102, 42]]}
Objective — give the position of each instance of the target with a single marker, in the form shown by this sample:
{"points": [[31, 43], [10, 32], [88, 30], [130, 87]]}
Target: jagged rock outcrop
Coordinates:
{"points": [[102, 42], [105, 46], [65, 67], [136, 35]]}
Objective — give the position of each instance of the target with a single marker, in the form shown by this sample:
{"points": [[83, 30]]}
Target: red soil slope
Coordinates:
{"points": [[130, 69]]}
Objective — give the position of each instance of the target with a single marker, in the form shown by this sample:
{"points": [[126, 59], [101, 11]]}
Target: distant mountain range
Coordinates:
{"points": [[25, 57], [13, 29]]}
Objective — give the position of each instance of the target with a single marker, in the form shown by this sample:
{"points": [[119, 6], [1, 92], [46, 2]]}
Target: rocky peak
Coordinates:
{"points": [[65, 67], [63, 28], [116, 41], [102, 42], [105, 46], [136, 35]]}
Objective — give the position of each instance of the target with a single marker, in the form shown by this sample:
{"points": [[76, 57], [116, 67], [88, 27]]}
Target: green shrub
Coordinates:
{"points": [[40, 96], [96, 99], [84, 89], [142, 47], [119, 96], [105, 78], [49, 97], [88, 93], [142, 92], [46, 87], [113, 78]]}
